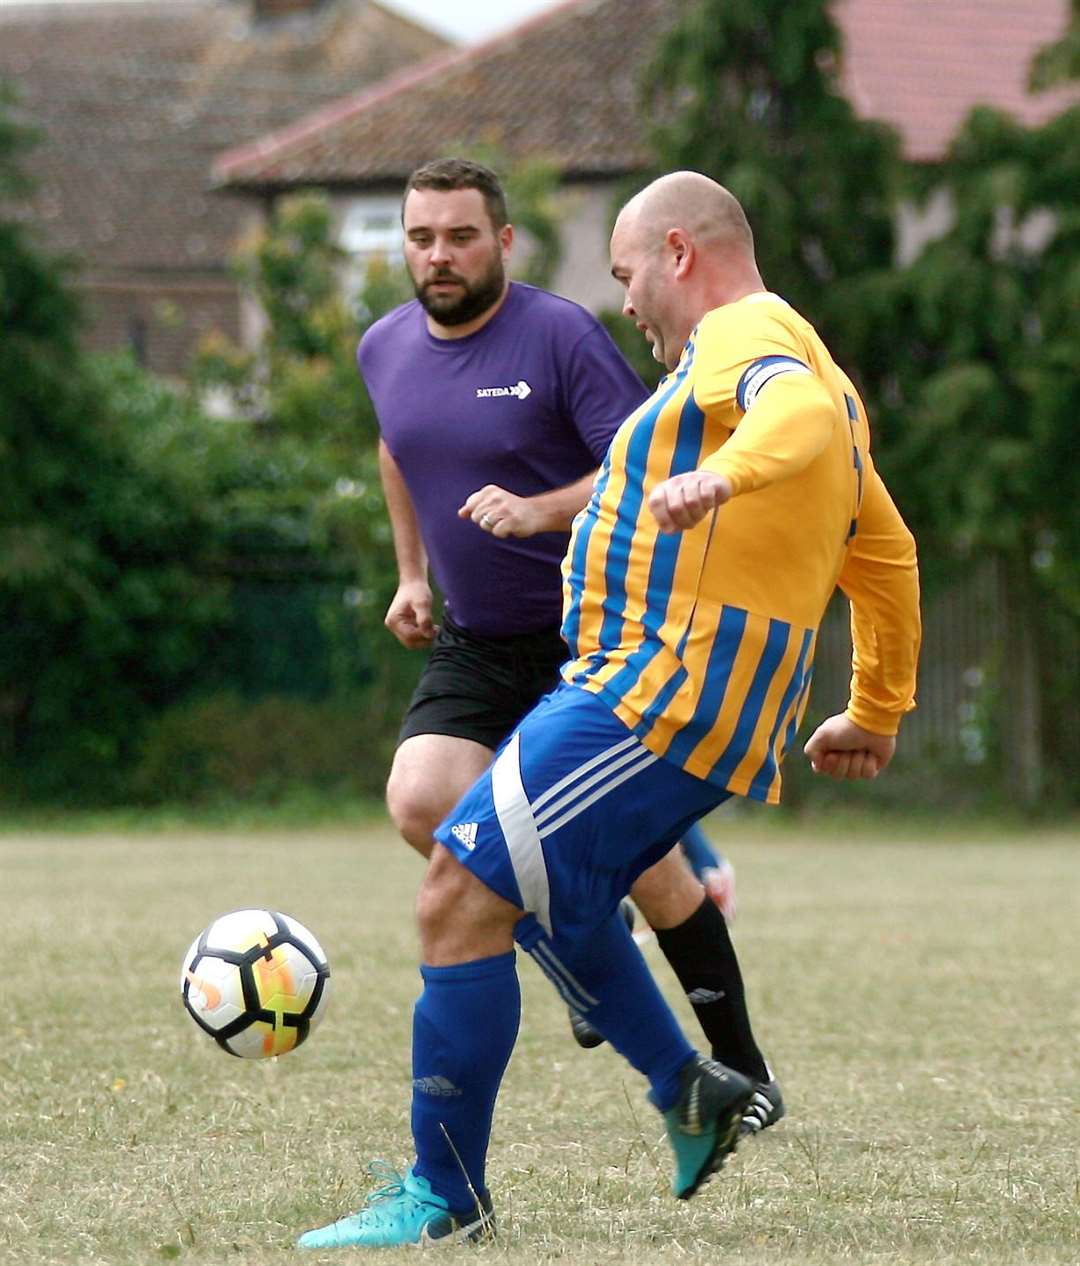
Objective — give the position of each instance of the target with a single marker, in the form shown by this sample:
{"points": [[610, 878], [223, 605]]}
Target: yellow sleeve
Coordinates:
{"points": [[786, 427], [751, 375], [880, 577]]}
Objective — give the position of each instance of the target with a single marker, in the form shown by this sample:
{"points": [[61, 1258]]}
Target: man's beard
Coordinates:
{"points": [[473, 300]]}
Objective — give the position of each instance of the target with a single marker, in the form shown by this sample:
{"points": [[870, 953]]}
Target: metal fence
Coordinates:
{"points": [[969, 671]]}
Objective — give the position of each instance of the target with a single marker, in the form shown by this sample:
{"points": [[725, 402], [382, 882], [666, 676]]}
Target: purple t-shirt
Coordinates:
{"points": [[530, 403]]}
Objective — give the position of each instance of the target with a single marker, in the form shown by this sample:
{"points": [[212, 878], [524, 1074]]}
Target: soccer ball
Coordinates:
{"points": [[256, 981]]}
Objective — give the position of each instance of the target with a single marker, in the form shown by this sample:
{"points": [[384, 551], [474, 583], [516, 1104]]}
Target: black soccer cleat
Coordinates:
{"points": [[764, 1109], [585, 1034]]}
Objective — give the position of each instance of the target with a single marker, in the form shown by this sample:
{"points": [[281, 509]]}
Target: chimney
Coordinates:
{"points": [[266, 10]]}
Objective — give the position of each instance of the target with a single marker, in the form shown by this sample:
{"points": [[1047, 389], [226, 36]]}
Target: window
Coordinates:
{"points": [[372, 228]]}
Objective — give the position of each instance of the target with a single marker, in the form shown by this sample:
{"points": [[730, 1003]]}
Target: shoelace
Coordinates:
{"points": [[393, 1182]]}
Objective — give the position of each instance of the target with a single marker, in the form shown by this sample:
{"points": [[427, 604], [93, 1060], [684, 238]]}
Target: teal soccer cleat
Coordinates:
{"points": [[403, 1211], [703, 1126]]}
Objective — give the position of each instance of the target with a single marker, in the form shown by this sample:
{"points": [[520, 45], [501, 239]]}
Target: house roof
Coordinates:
{"points": [[136, 98], [564, 85], [558, 84], [923, 64]]}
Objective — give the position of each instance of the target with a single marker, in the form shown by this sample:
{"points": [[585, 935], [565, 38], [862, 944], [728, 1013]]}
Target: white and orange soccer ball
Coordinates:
{"points": [[256, 981]]}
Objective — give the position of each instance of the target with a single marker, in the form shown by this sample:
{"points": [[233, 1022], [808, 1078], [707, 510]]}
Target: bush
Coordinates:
{"points": [[227, 748]]}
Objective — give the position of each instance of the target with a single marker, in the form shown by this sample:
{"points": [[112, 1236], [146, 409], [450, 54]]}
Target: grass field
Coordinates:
{"points": [[919, 1002]]}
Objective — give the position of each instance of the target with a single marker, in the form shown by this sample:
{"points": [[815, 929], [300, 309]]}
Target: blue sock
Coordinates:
{"points": [[606, 979], [699, 852], [465, 1024]]}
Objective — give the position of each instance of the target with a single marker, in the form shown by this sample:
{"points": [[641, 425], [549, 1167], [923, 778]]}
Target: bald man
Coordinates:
{"points": [[729, 507]]}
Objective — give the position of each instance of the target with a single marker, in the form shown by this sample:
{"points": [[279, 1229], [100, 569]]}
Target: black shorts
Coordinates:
{"points": [[479, 688]]}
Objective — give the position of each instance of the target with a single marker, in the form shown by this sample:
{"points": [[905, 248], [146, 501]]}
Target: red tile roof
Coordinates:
{"points": [[923, 64], [564, 85]]}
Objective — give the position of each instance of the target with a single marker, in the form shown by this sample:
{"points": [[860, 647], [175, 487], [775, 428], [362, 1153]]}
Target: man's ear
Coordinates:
{"points": [[682, 250], [506, 238]]}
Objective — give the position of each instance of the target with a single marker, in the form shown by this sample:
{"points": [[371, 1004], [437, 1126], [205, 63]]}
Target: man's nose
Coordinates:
{"points": [[627, 307]]}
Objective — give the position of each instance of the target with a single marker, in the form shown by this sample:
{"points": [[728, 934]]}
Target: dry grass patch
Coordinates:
{"points": [[918, 1000]]}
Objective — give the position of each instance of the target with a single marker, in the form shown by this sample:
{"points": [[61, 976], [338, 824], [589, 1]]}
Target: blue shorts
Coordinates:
{"points": [[571, 811]]}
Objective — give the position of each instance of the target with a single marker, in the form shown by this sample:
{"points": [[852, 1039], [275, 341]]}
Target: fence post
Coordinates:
{"points": [[1022, 719]]}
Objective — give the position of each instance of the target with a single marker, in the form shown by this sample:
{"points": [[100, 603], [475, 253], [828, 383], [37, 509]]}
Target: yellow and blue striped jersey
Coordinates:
{"points": [[703, 641]]}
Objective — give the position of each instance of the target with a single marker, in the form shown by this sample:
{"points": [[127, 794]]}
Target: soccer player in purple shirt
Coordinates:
{"points": [[496, 403]]}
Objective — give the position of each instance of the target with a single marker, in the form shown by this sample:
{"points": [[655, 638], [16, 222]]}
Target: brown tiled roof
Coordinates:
{"points": [[564, 85], [135, 99], [923, 64]]}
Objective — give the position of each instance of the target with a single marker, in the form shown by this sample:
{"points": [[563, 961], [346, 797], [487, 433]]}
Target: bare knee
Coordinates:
{"points": [[442, 898], [415, 807], [429, 775]]}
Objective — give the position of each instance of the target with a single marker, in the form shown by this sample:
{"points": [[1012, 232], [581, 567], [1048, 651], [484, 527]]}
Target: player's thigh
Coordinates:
{"points": [[572, 810], [430, 774]]}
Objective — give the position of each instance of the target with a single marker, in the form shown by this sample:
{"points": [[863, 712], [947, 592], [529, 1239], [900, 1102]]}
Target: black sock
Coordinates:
{"points": [[703, 958]]}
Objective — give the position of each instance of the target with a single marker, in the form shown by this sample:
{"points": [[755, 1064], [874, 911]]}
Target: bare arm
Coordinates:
{"points": [[501, 513], [409, 615]]}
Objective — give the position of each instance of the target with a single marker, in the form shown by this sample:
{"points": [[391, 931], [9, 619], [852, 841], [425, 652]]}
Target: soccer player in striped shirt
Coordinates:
{"points": [[728, 508]]}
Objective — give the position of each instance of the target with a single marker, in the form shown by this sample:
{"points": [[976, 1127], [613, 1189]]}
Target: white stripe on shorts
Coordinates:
{"points": [[572, 990], [540, 801], [519, 831], [601, 775], [646, 758]]}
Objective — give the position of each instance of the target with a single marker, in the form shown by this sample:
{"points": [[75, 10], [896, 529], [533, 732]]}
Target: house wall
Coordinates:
{"points": [[586, 213], [159, 321]]}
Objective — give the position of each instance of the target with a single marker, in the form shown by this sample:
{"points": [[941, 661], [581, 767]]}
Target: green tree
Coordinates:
{"points": [[121, 506], [987, 366], [747, 91], [101, 618], [300, 397]]}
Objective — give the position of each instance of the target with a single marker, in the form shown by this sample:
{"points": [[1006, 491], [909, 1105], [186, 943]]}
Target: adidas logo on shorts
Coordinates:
{"points": [[466, 833]]}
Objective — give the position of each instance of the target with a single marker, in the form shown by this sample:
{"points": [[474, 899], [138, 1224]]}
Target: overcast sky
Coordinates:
{"points": [[465, 20], [469, 19]]}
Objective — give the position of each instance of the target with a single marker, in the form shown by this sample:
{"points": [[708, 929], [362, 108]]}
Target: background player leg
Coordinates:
{"points": [[694, 939], [715, 873]]}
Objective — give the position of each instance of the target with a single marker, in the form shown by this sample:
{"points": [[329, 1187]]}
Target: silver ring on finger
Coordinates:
{"points": [[486, 521]]}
